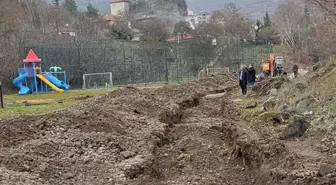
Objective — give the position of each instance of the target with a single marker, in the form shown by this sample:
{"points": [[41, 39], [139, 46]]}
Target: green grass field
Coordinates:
{"points": [[15, 106]]}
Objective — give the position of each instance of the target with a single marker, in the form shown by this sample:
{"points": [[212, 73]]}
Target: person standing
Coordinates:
{"points": [[295, 70], [243, 79], [275, 72], [251, 75]]}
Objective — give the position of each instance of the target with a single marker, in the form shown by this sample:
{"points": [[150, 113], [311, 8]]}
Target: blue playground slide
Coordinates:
{"points": [[57, 82], [18, 83]]}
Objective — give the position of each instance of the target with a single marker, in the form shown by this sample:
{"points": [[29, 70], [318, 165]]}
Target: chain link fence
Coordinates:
{"points": [[143, 62]]}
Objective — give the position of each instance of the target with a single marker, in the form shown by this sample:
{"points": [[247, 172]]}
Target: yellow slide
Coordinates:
{"points": [[49, 83]]}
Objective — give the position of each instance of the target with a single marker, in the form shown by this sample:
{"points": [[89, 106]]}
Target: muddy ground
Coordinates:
{"points": [[174, 135]]}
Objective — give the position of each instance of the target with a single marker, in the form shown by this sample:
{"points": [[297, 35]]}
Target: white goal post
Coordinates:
{"points": [[97, 80]]}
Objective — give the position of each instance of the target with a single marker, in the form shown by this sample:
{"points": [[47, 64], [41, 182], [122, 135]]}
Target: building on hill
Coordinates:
{"points": [[197, 18], [119, 7]]}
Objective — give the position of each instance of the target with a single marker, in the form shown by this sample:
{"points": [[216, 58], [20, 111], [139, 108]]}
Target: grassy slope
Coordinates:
{"points": [[15, 106]]}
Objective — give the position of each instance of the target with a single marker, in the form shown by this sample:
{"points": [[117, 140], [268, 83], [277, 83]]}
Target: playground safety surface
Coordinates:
{"points": [[167, 136]]}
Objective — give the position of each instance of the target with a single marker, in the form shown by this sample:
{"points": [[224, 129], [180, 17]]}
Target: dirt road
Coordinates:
{"points": [[173, 135]]}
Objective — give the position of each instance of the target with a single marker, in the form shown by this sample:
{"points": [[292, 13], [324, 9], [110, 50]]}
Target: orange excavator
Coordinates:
{"points": [[274, 62]]}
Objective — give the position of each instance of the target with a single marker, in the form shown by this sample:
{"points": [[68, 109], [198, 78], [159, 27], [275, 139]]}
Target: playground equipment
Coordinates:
{"points": [[32, 80]]}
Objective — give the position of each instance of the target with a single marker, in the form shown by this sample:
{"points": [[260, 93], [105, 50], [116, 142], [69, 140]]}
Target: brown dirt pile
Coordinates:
{"points": [[171, 135]]}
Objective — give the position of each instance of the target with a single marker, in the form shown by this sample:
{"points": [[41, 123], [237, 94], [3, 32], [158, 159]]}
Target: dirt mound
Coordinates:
{"points": [[170, 135], [263, 87]]}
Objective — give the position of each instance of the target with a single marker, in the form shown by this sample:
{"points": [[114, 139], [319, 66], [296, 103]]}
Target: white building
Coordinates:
{"points": [[119, 7], [197, 18]]}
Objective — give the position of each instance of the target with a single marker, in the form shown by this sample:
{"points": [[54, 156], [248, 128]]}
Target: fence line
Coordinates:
{"points": [[132, 64]]}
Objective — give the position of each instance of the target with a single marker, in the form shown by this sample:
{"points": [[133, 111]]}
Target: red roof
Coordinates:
{"points": [[109, 17], [31, 57]]}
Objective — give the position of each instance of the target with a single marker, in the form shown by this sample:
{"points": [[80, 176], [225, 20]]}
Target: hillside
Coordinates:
{"points": [[103, 5], [253, 8]]}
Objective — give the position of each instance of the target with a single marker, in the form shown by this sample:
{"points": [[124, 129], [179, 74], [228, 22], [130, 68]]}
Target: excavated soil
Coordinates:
{"points": [[172, 135]]}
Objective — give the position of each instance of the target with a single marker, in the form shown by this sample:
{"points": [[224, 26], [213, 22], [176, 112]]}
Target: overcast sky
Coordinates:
{"points": [[208, 5], [255, 9]]}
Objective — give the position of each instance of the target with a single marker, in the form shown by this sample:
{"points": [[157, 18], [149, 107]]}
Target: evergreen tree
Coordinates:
{"points": [[70, 5], [267, 20], [258, 24], [91, 11]]}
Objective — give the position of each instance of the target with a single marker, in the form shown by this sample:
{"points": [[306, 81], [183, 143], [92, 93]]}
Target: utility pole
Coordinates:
{"points": [[1, 97], [56, 3]]}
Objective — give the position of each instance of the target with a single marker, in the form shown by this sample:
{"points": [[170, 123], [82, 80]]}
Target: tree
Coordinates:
{"points": [[70, 5], [121, 30], [91, 11], [181, 27], [233, 23], [289, 19], [269, 34], [328, 7], [153, 29], [267, 20]]}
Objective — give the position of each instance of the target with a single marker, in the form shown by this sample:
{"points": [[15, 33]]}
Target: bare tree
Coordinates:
{"points": [[232, 22], [292, 23], [328, 6], [153, 29]]}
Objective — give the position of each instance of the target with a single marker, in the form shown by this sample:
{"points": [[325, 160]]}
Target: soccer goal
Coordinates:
{"points": [[97, 80]]}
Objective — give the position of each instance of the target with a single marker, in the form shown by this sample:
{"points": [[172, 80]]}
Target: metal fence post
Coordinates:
{"points": [[1, 96], [167, 70]]}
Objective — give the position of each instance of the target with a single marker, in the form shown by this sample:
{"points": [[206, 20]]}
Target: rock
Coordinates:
{"points": [[269, 116], [71, 155], [251, 105], [269, 105], [296, 128], [237, 100], [190, 102], [86, 159], [179, 165], [42, 167], [133, 167], [127, 154], [316, 67], [69, 175], [136, 111], [325, 169], [324, 148], [185, 157], [273, 92], [27, 167], [305, 103], [172, 114], [285, 115], [300, 86], [214, 96]]}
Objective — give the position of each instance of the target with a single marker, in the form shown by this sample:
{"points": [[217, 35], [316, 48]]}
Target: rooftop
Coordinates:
{"points": [[109, 17], [119, 1]]}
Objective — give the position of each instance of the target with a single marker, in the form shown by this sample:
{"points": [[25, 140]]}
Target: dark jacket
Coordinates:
{"points": [[251, 74], [295, 68], [243, 82]]}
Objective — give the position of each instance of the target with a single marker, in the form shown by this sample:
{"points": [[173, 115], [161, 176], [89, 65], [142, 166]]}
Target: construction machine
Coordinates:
{"points": [[274, 65]]}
